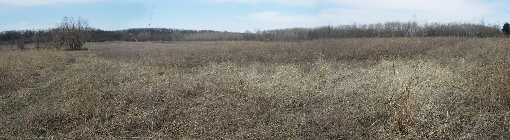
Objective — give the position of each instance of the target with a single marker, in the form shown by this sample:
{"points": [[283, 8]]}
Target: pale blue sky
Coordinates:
{"points": [[242, 15]]}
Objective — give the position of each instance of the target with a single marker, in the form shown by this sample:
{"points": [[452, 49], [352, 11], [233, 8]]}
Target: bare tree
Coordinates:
{"points": [[71, 34]]}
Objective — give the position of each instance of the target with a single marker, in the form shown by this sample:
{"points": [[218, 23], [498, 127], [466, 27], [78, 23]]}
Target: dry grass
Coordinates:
{"points": [[378, 88]]}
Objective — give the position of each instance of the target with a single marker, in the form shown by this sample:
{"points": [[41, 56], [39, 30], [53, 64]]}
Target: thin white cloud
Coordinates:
{"points": [[42, 2], [450, 7], [374, 11], [424, 10], [235, 1], [25, 26], [276, 17], [279, 2]]}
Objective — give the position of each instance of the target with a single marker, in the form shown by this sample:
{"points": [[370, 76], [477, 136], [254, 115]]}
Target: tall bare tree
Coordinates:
{"points": [[71, 34]]}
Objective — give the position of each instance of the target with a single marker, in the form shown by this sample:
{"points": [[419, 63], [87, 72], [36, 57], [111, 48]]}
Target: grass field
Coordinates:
{"points": [[364, 88]]}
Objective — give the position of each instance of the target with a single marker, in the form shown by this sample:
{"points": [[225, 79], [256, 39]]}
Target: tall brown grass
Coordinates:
{"points": [[377, 88]]}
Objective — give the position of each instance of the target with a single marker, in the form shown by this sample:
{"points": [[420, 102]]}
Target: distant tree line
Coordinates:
{"points": [[386, 30], [25, 36], [163, 34]]}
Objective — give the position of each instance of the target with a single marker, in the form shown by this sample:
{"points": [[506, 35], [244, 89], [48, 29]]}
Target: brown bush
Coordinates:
{"points": [[71, 34]]}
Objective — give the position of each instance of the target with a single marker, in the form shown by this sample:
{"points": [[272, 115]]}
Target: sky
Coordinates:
{"points": [[245, 15]]}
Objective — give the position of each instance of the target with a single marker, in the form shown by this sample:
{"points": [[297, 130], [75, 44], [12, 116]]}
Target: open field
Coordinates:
{"points": [[361, 88]]}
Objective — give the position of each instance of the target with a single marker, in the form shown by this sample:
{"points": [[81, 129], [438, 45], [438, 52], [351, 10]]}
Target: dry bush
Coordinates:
{"points": [[71, 34], [381, 88], [196, 54], [25, 76], [21, 69]]}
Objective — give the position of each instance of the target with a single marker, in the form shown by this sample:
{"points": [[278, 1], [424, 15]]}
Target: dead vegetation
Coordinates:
{"points": [[372, 88]]}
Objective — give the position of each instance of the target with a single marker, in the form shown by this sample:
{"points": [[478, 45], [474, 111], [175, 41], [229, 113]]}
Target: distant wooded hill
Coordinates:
{"points": [[388, 29]]}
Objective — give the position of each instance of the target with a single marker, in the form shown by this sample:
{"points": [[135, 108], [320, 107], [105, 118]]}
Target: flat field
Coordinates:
{"points": [[360, 88]]}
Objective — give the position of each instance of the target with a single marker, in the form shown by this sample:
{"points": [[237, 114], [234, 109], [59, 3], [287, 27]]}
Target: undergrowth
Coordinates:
{"points": [[378, 88]]}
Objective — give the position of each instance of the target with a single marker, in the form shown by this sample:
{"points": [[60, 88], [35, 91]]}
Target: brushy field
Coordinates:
{"points": [[365, 88]]}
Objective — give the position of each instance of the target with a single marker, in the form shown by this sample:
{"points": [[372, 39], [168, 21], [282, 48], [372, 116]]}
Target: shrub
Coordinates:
{"points": [[71, 34], [506, 28]]}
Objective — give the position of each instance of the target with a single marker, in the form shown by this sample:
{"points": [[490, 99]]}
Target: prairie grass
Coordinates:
{"points": [[365, 88]]}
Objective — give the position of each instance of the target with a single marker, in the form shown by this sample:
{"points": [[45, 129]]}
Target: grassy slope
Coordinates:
{"points": [[378, 88]]}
